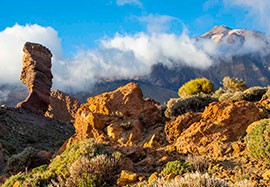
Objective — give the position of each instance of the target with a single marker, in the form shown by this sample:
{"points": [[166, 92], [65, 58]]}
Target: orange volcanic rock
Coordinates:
{"points": [[174, 128], [37, 76], [221, 123], [62, 106], [120, 117]]}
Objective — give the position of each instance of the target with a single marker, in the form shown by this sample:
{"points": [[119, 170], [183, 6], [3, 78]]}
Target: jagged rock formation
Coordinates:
{"points": [[20, 129], [121, 117], [213, 131], [62, 106], [36, 75]]}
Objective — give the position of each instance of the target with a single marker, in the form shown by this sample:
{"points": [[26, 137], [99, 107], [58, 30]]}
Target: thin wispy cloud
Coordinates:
{"points": [[258, 11], [156, 23], [129, 2]]}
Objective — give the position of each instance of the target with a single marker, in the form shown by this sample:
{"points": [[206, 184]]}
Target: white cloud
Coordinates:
{"points": [[130, 2], [12, 40], [156, 23], [119, 57], [258, 11]]}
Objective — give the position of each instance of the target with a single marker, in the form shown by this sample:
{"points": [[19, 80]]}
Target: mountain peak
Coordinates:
{"points": [[222, 29], [225, 35]]}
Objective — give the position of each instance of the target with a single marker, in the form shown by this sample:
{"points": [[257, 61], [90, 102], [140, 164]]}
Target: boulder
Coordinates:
{"points": [[221, 123], [121, 117], [37, 76], [127, 177], [62, 107]]}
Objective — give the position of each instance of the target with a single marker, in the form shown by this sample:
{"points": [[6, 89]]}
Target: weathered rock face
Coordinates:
{"points": [[37, 76], [220, 124], [121, 117], [174, 128], [62, 106]]}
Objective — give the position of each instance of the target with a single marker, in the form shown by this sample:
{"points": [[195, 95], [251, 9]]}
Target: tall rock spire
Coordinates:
{"points": [[37, 76]]}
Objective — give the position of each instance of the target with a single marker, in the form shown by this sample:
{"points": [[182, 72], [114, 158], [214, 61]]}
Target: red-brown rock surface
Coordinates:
{"points": [[220, 124], [36, 75], [121, 117], [174, 128], [62, 106]]}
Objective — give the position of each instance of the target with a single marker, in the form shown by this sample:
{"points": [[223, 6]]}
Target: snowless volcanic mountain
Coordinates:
{"points": [[238, 53]]}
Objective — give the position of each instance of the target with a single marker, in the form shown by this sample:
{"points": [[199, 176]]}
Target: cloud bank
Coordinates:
{"points": [[12, 40], [120, 57]]}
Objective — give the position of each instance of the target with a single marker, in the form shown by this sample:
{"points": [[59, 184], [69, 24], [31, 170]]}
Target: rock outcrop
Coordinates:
{"points": [[62, 107], [220, 124], [120, 117], [37, 76]]}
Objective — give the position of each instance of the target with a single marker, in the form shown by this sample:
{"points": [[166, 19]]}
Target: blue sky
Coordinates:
{"points": [[83, 22]]}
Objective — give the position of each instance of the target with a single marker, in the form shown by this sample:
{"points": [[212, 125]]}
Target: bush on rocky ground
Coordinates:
{"points": [[196, 86], [189, 180], [195, 103], [258, 140], [84, 164], [233, 84]]}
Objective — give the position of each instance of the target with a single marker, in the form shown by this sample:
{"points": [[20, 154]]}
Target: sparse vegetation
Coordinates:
{"points": [[196, 103], [258, 141], [198, 163], [84, 164], [196, 86], [176, 167], [20, 161], [190, 180], [233, 84]]}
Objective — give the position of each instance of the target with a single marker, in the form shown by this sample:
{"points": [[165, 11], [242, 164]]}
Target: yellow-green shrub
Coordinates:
{"points": [[176, 167], [196, 86], [258, 141], [233, 84]]}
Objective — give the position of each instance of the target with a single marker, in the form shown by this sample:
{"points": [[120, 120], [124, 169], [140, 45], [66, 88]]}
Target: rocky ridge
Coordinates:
{"points": [[62, 107]]}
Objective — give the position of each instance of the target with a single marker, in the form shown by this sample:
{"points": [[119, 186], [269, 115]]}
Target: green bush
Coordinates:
{"points": [[258, 141], [233, 84], [86, 163], [176, 167], [20, 161], [196, 86], [196, 103]]}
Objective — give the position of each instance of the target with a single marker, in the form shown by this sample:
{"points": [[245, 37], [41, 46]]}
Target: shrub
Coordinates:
{"points": [[176, 167], [196, 86], [233, 84], [258, 140], [20, 161], [190, 180], [267, 94], [97, 171], [86, 163], [198, 163], [218, 93], [196, 103]]}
